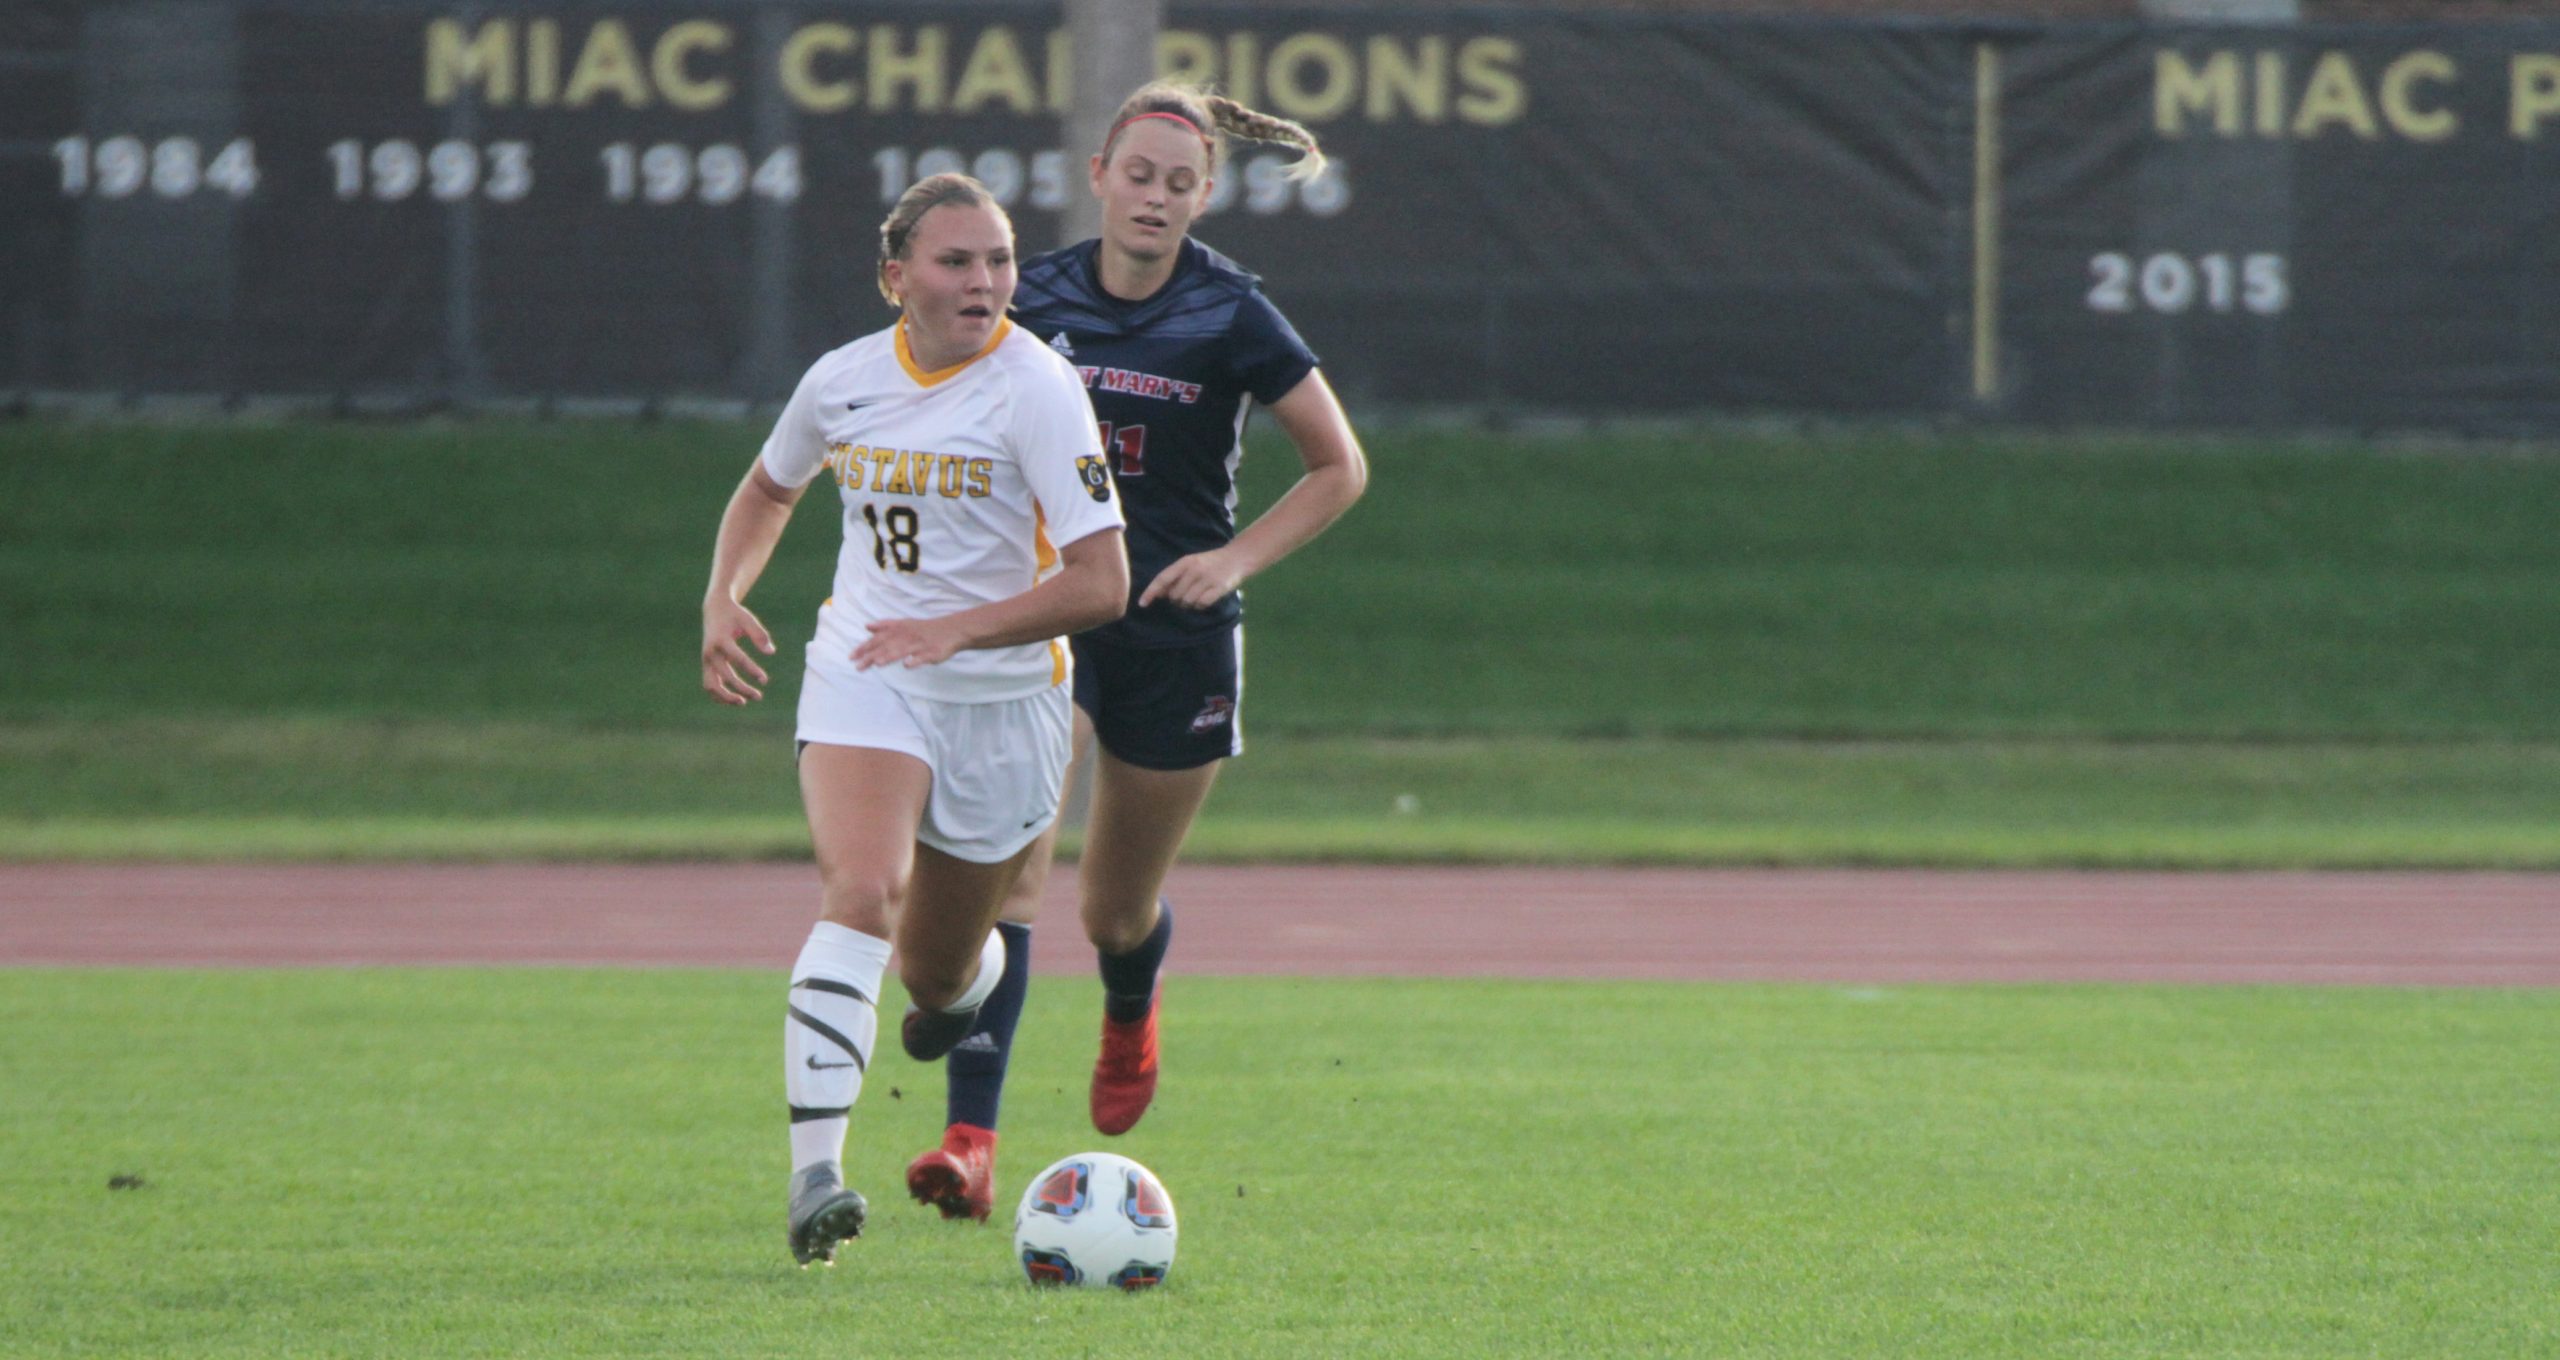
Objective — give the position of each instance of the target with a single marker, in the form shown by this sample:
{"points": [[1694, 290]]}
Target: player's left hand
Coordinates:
{"points": [[907, 642], [1195, 582]]}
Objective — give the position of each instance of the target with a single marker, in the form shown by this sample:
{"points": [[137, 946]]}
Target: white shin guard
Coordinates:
{"points": [[827, 1039]]}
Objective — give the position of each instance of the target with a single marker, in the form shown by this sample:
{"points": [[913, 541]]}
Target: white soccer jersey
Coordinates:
{"points": [[957, 484]]}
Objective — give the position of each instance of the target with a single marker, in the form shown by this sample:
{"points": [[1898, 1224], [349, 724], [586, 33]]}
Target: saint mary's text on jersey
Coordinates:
{"points": [[1139, 384]]}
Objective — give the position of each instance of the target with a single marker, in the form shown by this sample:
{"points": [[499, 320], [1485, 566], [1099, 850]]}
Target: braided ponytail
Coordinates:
{"points": [[1253, 125], [1215, 115]]}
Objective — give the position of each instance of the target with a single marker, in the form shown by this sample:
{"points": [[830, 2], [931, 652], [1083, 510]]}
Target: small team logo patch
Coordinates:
{"points": [[1218, 712], [1097, 478]]}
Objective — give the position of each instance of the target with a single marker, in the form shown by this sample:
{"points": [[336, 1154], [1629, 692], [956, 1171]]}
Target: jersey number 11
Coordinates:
{"points": [[1128, 445]]}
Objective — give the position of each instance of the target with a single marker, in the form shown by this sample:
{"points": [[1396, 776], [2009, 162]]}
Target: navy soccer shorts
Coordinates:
{"points": [[1164, 708]]}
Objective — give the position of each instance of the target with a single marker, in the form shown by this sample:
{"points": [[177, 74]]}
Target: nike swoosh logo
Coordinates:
{"points": [[856, 405], [817, 1066]]}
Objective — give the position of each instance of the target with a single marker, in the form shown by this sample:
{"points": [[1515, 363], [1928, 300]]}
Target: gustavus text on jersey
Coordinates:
{"points": [[908, 472]]}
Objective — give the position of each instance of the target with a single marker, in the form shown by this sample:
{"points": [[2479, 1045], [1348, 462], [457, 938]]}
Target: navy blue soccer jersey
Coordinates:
{"points": [[1169, 375]]}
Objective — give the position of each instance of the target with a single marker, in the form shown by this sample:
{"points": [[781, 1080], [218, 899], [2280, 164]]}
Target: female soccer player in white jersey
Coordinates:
{"points": [[980, 526], [1173, 341]]}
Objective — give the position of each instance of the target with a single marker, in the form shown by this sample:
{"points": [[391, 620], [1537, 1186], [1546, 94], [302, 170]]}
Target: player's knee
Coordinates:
{"points": [[1117, 931], [860, 898]]}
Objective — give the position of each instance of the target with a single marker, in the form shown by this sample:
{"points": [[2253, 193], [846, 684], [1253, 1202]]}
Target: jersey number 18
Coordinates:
{"points": [[898, 544]]}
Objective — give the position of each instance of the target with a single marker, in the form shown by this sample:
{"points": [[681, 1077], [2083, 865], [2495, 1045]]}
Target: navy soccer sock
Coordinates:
{"points": [[1129, 980], [975, 1070]]}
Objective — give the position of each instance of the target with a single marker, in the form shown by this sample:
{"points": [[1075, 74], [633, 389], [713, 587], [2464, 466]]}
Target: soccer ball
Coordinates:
{"points": [[1095, 1219]]}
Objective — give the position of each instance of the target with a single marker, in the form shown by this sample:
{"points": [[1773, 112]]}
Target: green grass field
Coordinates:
{"points": [[435, 1163], [327, 641], [478, 639], [376, 789], [1713, 584]]}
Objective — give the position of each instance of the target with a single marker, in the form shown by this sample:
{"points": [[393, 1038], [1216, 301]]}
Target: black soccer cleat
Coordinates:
{"points": [[824, 1214], [928, 1035]]}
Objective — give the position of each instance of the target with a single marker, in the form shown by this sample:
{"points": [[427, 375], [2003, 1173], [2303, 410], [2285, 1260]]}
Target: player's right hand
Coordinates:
{"points": [[728, 673]]}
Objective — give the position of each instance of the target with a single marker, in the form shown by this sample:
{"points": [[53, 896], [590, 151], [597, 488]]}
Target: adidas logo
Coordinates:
{"points": [[1063, 345], [977, 1043]]}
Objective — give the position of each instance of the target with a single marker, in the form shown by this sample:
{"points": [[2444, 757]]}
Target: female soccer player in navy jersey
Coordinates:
{"points": [[1172, 339]]}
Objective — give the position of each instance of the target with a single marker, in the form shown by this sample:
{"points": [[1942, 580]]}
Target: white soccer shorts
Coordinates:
{"points": [[999, 768]]}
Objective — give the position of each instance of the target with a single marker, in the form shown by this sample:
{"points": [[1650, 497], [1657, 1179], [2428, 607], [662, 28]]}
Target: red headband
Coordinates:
{"points": [[1154, 113]]}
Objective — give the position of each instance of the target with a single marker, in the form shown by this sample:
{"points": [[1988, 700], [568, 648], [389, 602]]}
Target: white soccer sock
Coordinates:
{"points": [[990, 972], [826, 1041]]}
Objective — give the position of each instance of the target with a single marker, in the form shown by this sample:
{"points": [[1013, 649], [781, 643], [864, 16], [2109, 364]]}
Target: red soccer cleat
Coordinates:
{"points": [[959, 1177], [1124, 1077]]}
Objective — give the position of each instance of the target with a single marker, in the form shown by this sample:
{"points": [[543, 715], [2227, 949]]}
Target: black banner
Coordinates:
{"points": [[2319, 226], [1536, 210]]}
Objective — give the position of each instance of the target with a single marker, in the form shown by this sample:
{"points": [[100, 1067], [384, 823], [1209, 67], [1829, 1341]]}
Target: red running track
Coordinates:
{"points": [[1848, 926]]}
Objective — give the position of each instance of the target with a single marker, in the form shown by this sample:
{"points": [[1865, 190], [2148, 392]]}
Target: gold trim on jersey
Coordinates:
{"points": [[907, 357], [1044, 555]]}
